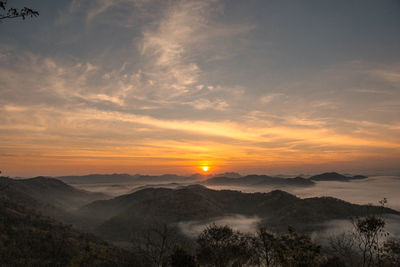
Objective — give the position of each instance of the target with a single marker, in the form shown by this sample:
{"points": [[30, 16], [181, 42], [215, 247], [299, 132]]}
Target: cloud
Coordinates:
{"points": [[168, 46], [389, 75], [79, 109], [202, 104], [265, 99], [172, 46], [95, 8]]}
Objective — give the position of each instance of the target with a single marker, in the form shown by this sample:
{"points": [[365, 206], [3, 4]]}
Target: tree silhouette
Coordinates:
{"points": [[220, 246], [11, 12]]}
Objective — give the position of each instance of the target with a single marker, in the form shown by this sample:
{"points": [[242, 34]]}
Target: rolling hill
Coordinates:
{"points": [[49, 197]]}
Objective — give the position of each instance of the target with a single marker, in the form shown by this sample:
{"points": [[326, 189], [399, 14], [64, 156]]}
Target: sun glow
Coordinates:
{"points": [[205, 168]]}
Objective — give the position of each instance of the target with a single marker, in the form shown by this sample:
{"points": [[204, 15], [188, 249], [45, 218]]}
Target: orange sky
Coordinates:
{"points": [[90, 141]]}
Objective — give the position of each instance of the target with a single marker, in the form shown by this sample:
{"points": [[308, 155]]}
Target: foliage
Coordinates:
{"points": [[368, 231], [391, 252], [220, 246], [264, 244], [155, 243], [367, 243], [343, 248], [295, 249], [11, 12]]}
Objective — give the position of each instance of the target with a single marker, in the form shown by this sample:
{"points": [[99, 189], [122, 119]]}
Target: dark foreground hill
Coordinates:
{"points": [[29, 239], [48, 196], [48, 190], [117, 218]]}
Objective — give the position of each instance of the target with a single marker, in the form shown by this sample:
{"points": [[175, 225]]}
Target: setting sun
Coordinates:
{"points": [[205, 168]]}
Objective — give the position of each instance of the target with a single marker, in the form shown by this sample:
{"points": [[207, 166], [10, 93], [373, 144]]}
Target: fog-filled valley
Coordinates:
{"points": [[121, 208], [362, 190]]}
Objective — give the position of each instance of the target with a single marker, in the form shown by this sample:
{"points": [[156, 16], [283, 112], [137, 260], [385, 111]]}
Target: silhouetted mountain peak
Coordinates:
{"points": [[260, 180]]}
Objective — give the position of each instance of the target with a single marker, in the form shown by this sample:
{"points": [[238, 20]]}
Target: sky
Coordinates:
{"points": [[152, 87]]}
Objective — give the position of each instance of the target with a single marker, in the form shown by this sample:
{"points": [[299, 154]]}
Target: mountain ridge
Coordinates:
{"points": [[276, 208]]}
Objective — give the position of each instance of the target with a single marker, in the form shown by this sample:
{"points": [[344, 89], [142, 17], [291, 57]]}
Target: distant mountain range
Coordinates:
{"points": [[260, 180], [228, 178], [124, 178]]}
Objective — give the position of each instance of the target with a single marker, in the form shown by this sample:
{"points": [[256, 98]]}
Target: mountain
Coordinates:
{"points": [[48, 190], [259, 180], [49, 197], [29, 239], [121, 216], [334, 176]]}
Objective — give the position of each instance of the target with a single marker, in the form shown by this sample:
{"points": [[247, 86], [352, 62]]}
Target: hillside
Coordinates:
{"points": [[49, 197], [47, 190], [132, 212], [29, 239]]}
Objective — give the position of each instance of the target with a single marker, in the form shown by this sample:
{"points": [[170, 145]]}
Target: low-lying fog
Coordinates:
{"points": [[250, 224], [238, 222], [114, 189], [337, 227]]}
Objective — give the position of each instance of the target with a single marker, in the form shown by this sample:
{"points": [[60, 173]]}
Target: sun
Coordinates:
{"points": [[205, 168]]}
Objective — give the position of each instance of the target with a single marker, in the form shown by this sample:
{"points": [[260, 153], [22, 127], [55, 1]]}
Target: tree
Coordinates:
{"points": [[11, 12], [264, 244], [296, 249], [156, 243], [220, 246], [368, 232], [343, 248]]}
